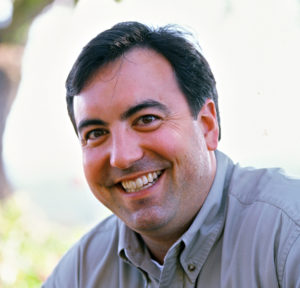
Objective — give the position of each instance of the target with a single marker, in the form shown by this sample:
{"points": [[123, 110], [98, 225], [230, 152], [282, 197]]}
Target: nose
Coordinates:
{"points": [[125, 149]]}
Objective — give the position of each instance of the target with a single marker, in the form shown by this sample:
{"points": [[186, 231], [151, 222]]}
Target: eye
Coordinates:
{"points": [[95, 134], [148, 121]]}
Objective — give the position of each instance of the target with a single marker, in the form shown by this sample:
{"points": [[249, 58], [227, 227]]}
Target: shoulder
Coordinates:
{"points": [[91, 253], [263, 219], [267, 187], [106, 230]]}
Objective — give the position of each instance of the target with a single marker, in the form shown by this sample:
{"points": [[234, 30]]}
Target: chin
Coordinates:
{"points": [[147, 220]]}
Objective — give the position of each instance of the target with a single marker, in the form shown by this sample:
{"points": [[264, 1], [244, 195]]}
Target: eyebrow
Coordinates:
{"points": [[90, 122], [143, 105], [128, 113]]}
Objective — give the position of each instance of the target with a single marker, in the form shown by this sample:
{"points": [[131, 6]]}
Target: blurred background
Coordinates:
{"points": [[45, 205]]}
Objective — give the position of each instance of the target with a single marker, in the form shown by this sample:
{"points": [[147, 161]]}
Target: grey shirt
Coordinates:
{"points": [[245, 235]]}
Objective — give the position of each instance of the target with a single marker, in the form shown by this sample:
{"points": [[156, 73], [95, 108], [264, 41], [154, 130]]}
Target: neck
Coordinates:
{"points": [[158, 248], [160, 244]]}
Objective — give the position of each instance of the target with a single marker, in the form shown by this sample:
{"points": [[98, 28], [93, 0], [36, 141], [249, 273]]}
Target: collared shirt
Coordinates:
{"points": [[245, 235]]}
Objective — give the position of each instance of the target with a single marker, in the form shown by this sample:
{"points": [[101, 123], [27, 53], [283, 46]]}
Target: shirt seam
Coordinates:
{"points": [[267, 203]]}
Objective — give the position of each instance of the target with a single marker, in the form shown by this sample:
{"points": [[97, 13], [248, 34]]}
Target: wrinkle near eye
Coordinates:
{"points": [[83, 142], [174, 121]]}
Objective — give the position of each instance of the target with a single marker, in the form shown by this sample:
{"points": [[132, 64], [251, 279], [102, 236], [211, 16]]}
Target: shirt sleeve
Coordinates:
{"points": [[291, 276], [66, 272]]}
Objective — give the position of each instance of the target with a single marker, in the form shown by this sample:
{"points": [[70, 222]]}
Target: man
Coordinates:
{"points": [[144, 105]]}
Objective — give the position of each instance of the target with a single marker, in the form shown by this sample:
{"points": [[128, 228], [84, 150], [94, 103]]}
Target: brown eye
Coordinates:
{"points": [[147, 123], [95, 134], [146, 119]]}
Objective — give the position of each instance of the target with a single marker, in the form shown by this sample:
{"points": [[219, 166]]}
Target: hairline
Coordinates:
{"points": [[107, 62]]}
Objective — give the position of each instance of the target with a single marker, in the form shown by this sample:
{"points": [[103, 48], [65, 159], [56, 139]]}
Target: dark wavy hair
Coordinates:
{"points": [[192, 71]]}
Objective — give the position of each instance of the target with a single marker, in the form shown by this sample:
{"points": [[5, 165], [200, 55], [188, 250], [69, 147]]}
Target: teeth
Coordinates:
{"points": [[145, 180], [140, 182], [150, 177]]}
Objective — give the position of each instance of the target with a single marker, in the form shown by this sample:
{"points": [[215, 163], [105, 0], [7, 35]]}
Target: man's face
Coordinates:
{"points": [[145, 157]]}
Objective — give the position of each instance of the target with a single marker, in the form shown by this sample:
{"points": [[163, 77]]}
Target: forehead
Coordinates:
{"points": [[137, 62], [141, 74]]}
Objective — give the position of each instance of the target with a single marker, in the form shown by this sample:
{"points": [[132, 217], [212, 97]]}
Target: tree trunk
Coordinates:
{"points": [[10, 63], [4, 104]]}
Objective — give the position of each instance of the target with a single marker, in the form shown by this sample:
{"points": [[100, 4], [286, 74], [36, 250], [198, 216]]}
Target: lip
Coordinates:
{"points": [[141, 193], [136, 175]]}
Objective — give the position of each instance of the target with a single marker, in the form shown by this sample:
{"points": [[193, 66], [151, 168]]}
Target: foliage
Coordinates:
{"points": [[30, 246], [24, 12]]}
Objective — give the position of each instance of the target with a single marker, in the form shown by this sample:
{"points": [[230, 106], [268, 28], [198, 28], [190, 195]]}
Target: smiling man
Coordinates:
{"points": [[144, 105]]}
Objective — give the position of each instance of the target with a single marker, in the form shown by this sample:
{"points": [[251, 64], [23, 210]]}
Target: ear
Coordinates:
{"points": [[207, 119]]}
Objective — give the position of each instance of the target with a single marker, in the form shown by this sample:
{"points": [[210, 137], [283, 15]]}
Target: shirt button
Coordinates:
{"points": [[191, 267]]}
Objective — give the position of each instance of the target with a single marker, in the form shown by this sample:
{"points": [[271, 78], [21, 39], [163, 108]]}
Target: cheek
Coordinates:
{"points": [[169, 145], [103, 196], [93, 163]]}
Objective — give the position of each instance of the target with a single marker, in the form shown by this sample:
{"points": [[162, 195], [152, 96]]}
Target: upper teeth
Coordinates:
{"points": [[140, 182]]}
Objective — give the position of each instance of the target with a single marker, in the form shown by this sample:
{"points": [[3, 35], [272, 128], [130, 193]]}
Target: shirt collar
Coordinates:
{"points": [[214, 204], [209, 222], [132, 249]]}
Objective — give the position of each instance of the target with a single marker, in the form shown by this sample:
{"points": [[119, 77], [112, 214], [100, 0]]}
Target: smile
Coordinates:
{"points": [[141, 182]]}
